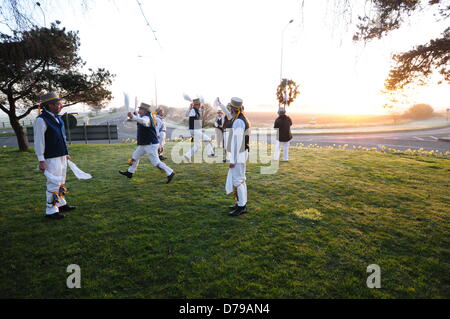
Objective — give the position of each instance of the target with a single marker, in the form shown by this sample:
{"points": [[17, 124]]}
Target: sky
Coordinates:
{"points": [[231, 48]]}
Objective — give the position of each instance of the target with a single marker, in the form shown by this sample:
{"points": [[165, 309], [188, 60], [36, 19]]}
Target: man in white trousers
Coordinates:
{"points": [[227, 119], [219, 123], [148, 143], [51, 150], [161, 133], [283, 123], [238, 147], [195, 127]]}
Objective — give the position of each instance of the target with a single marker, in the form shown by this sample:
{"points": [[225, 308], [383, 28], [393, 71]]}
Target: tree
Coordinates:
{"points": [[207, 114], [417, 64], [45, 59], [419, 112], [18, 14]]}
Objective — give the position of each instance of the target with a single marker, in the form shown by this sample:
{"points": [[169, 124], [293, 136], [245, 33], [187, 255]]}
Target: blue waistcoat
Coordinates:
{"points": [[147, 135], [55, 136]]}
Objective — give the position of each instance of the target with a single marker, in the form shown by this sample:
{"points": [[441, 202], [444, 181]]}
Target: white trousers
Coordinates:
{"points": [[162, 139], [219, 137], [278, 145], [239, 182], [226, 134], [152, 151], [198, 138], [56, 166]]}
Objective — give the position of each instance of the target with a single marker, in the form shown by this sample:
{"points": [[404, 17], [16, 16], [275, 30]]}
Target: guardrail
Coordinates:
{"points": [[7, 125]]}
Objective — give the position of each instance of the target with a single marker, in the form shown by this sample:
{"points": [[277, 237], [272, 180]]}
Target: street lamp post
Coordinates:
{"points": [[43, 14], [156, 88], [282, 43], [45, 26]]}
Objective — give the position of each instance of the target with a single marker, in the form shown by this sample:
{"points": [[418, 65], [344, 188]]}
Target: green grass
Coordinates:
{"points": [[7, 134], [311, 230]]}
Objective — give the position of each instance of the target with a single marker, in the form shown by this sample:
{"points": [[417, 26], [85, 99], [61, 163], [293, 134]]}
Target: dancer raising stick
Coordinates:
{"points": [[147, 140]]}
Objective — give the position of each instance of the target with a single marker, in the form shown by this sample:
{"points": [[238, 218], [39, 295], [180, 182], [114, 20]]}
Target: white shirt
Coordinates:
{"points": [[162, 128], [237, 139], [217, 118], [144, 120], [39, 136], [226, 111], [192, 113]]}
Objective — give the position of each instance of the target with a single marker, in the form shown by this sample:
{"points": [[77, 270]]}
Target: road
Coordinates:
{"points": [[426, 139]]}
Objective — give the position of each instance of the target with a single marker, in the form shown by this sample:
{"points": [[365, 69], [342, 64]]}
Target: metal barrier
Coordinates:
{"points": [[7, 125], [85, 133]]}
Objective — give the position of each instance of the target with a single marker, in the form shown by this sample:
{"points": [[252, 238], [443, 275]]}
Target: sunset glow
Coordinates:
{"points": [[233, 48]]}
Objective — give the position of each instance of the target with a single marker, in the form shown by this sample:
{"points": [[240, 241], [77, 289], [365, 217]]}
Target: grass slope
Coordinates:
{"points": [[311, 231]]}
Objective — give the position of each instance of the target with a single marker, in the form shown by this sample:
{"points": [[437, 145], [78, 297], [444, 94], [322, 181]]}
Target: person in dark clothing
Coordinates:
{"points": [[283, 123]]}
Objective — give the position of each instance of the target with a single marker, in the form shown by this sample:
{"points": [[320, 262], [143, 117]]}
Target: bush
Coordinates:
{"points": [[419, 112]]}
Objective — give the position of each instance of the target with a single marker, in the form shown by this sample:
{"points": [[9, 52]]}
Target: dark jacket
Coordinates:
{"points": [[146, 135], [284, 123], [55, 136], [192, 119]]}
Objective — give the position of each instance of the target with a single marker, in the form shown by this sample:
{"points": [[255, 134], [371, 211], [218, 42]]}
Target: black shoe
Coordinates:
{"points": [[233, 207], [126, 173], [224, 160], [169, 178], [238, 211], [57, 215], [66, 208]]}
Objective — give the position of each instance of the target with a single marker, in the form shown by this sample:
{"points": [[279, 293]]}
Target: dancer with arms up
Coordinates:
{"points": [[196, 130], [148, 143]]}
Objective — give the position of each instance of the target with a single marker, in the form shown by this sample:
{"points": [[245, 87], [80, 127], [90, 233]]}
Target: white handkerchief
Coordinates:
{"points": [[52, 178], [187, 97], [229, 183], [217, 103], [78, 172]]}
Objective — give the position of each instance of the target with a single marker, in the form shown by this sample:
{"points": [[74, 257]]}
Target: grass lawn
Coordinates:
{"points": [[311, 230], [7, 134]]}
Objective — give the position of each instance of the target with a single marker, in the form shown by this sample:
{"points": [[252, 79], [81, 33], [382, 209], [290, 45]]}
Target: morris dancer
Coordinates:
{"points": [[195, 128], [162, 134], [147, 140], [51, 150], [219, 125], [239, 147]]}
